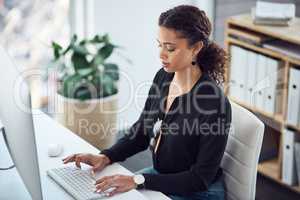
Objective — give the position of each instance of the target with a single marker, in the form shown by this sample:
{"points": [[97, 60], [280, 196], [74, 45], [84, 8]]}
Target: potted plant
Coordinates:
{"points": [[87, 89]]}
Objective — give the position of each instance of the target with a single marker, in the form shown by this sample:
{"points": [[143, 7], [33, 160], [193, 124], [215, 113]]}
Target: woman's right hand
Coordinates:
{"points": [[98, 162]]}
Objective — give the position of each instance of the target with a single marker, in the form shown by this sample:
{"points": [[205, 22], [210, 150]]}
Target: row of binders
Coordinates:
{"points": [[293, 113], [254, 79], [291, 158]]}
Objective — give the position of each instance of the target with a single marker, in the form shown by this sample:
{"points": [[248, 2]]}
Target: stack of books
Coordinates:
{"points": [[276, 14]]}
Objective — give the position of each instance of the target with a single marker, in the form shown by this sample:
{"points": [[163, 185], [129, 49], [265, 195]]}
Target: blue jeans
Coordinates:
{"points": [[214, 192]]}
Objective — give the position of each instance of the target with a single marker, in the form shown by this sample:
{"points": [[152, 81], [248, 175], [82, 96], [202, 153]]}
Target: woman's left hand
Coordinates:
{"points": [[121, 183]]}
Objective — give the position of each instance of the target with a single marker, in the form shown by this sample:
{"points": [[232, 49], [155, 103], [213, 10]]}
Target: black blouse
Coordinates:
{"points": [[194, 136]]}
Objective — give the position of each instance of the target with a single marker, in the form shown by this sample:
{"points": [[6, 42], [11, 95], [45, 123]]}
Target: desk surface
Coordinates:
{"points": [[48, 131]]}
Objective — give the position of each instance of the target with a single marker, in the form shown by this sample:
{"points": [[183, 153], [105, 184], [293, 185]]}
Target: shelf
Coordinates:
{"points": [[295, 128], [247, 36], [277, 117], [271, 169], [289, 33], [256, 48], [293, 61], [264, 51], [296, 188], [241, 31]]}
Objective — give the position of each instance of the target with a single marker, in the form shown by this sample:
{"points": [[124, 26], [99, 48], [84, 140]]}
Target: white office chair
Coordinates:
{"points": [[241, 155]]}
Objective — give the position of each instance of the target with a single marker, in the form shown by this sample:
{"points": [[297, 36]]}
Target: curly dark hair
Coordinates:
{"points": [[193, 24]]}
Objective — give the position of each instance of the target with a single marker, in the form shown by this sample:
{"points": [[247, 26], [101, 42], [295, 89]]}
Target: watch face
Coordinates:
{"points": [[139, 179]]}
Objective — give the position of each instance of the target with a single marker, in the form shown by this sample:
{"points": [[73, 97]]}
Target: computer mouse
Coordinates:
{"points": [[54, 150]]}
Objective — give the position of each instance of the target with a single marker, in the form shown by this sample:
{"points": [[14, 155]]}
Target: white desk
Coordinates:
{"points": [[49, 131]]}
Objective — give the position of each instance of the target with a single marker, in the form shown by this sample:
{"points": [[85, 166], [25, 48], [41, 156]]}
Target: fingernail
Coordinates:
{"points": [[99, 190]]}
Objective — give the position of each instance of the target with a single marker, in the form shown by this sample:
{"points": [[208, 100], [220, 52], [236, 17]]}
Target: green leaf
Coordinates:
{"points": [[83, 42], [97, 39], [97, 60], [79, 61], [74, 39], [112, 70], [86, 71], [106, 51], [83, 93], [66, 50], [70, 83], [56, 50], [72, 42], [108, 86], [95, 72], [80, 50], [106, 38], [97, 80], [77, 87]]}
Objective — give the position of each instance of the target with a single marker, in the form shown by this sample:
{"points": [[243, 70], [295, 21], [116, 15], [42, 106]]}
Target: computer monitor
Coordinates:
{"points": [[18, 124]]}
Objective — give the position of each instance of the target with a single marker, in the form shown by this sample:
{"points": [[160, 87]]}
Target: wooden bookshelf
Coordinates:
{"points": [[270, 168], [241, 31], [295, 128], [290, 33], [276, 120]]}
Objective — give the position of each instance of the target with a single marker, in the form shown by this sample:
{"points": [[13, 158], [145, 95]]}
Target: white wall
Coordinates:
{"points": [[133, 25], [209, 7]]}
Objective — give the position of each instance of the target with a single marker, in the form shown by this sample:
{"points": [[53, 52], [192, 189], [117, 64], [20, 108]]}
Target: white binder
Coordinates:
{"points": [[270, 92], [251, 77], [289, 173], [297, 158], [261, 80], [233, 85], [242, 73], [294, 97]]}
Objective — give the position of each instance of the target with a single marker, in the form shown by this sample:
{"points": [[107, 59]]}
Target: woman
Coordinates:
{"points": [[185, 120]]}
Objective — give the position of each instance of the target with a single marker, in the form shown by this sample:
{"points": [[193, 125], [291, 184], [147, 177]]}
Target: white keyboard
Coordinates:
{"points": [[79, 183]]}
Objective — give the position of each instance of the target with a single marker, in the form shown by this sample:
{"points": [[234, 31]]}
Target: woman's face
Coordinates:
{"points": [[175, 53]]}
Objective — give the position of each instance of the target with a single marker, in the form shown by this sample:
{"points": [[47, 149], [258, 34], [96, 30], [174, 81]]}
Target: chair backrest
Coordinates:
{"points": [[242, 153]]}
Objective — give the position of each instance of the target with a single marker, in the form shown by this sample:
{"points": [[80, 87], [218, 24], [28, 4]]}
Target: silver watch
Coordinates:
{"points": [[139, 180]]}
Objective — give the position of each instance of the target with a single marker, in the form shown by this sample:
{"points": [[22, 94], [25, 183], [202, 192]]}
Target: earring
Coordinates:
{"points": [[193, 62]]}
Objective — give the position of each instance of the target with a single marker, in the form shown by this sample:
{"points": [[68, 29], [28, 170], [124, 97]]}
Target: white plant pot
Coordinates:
{"points": [[93, 120]]}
